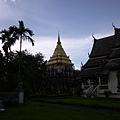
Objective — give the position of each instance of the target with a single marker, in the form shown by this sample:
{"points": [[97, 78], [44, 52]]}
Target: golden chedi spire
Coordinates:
{"points": [[58, 38], [59, 56]]}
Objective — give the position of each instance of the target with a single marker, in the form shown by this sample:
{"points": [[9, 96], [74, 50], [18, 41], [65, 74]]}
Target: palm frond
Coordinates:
{"points": [[3, 31], [30, 32], [4, 35], [8, 38], [31, 40], [21, 26]]}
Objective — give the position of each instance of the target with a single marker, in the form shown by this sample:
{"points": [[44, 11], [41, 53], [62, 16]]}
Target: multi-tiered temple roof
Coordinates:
{"points": [[105, 55], [113, 60], [59, 57]]}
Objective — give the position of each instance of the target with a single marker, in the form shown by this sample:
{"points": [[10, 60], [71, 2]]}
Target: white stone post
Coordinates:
{"points": [[21, 97]]}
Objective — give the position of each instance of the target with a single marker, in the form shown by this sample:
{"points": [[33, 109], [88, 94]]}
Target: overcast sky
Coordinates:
{"points": [[76, 21]]}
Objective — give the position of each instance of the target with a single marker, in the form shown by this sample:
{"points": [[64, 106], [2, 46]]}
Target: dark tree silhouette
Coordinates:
{"points": [[8, 38], [23, 34]]}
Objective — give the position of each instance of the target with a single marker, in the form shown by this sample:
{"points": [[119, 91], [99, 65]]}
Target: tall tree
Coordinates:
{"points": [[23, 34], [8, 39]]}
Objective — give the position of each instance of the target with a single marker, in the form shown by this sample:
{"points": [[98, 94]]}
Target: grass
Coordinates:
{"points": [[106, 103], [36, 111]]}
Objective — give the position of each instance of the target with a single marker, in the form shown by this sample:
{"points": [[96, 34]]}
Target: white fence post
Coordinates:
{"points": [[21, 97]]}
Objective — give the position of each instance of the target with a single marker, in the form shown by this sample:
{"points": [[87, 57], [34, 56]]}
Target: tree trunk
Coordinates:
{"points": [[20, 78], [20, 44]]}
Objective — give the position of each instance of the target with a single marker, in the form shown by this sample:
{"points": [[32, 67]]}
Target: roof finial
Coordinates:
{"points": [[88, 54], [58, 38], [81, 64], [93, 37], [113, 25]]}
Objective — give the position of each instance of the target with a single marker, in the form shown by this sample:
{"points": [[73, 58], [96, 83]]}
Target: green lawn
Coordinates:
{"points": [[106, 103], [36, 111]]}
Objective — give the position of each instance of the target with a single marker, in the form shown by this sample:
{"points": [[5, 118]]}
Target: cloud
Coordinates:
{"points": [[13, 0], [76, 49], [4, 10], [9, 12], [9, 0]]}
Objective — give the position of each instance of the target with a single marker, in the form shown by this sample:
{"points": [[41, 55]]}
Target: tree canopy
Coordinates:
{"points": [[31, 68], [33, 72]]}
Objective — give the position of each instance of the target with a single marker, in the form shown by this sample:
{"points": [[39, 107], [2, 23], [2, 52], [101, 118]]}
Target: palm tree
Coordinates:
{"points": [[8, 38], [23, 34]]}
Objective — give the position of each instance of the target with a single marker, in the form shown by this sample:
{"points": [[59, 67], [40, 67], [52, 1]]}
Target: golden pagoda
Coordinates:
{"points": [[59, 57], [59, 70]]}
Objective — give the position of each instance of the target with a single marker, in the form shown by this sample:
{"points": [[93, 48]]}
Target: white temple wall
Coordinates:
{"points": [[112, 81]]}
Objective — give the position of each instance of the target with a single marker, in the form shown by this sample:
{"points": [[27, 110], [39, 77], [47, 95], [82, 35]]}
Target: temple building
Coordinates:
{"points": [[59, 69], [102, 71]]}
